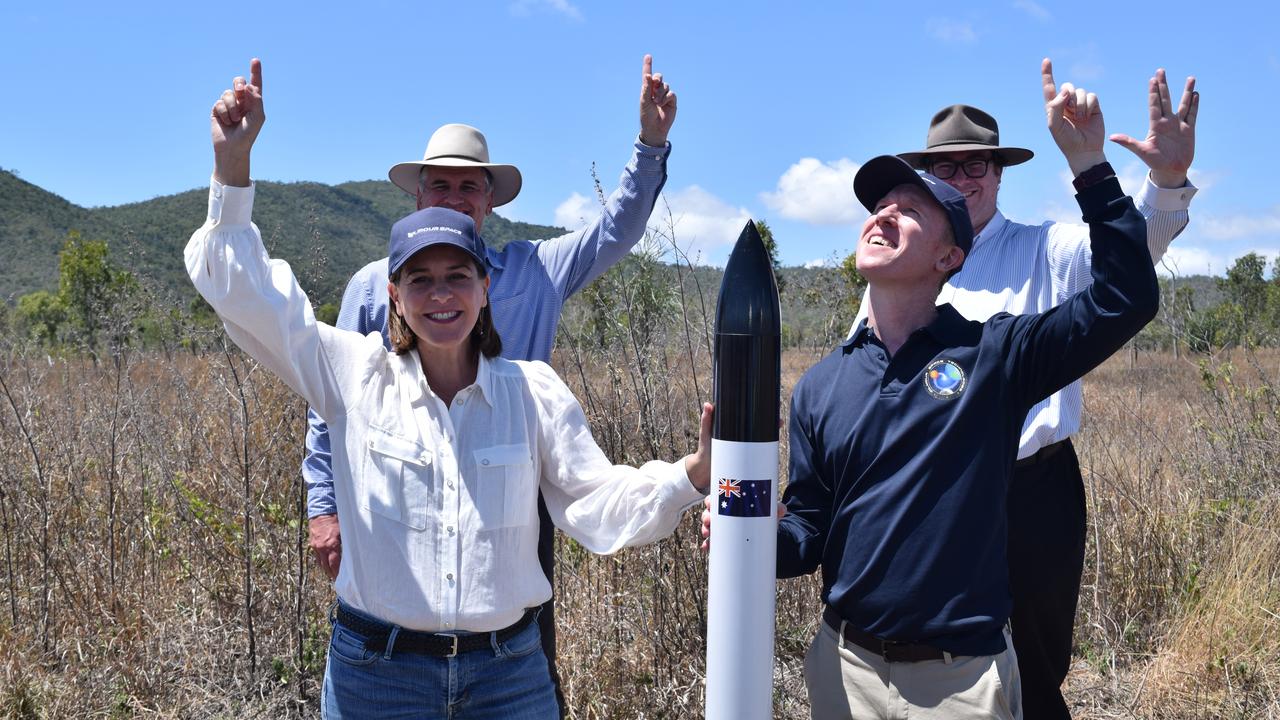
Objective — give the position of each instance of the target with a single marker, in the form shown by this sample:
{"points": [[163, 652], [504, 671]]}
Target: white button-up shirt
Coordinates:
{"points": [[1025, 269], [438, 504]]}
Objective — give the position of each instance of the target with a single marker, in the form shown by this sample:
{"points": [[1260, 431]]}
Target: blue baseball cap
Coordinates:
{"points": [[433, 226], [884, 173]]}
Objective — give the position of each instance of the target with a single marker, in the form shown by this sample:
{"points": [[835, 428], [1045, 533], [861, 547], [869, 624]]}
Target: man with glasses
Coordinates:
{"points": [[1023, 269]]}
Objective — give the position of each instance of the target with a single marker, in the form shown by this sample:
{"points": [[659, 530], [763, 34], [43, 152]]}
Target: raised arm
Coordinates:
{"points": [[259, 300], [574, 260]]}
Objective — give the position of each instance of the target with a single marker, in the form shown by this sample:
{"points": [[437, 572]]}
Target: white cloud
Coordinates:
{"points": [[1182, 261], [951, 31], [702, 225], [827, 262], [1238, 227], [1034, 9], [816, 192], [525, 8], [699, 223], [575, 212]]}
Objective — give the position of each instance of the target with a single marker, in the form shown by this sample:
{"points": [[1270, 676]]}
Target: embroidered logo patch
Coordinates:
{"points": [[944, 379]]}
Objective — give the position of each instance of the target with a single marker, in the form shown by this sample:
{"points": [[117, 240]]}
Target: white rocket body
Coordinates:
{"points": [[742, 587]]}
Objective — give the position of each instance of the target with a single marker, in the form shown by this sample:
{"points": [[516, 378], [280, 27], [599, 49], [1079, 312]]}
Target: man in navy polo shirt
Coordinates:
{"points": [[903, 443]]}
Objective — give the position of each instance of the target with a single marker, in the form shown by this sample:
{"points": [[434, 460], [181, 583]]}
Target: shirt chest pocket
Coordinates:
{"points": [[505, 487], [397, 479]]}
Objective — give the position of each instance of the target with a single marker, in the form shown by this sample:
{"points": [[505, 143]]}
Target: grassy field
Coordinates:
{"points": [[153, 559]]}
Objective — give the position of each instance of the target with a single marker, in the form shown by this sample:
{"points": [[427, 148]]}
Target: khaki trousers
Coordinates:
{"points": [[846, 681]]}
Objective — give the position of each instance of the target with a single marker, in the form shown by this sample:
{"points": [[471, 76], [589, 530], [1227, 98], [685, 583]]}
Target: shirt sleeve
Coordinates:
{"points": [[1167, 213], [1047, 351], [802, 532], [356, 314], [574, 260], [605, 507], [265, 311]]}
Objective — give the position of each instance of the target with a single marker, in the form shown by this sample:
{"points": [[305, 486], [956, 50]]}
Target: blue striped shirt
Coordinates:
{"points": [[1025, 269], [529, 283]]}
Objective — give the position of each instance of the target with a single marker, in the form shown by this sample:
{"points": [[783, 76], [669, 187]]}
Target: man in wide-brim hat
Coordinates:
{"points": [[1024, 269]]}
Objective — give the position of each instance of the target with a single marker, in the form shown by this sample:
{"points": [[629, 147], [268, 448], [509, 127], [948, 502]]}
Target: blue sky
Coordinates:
{"points": [[108, 103]]}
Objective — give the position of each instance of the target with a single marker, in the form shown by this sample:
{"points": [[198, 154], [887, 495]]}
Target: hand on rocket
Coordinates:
{"points": [[698, 465], [706, 521]]}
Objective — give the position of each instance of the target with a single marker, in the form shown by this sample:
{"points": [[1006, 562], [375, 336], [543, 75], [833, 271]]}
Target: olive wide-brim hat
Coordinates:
{"points": [[458, 145], [961, 128]]}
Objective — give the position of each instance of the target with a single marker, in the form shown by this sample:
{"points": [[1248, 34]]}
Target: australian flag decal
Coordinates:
{"points": [[745, 498]]}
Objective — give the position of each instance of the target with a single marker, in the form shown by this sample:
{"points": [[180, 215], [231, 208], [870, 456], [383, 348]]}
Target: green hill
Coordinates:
{"points": [[325, 232]]}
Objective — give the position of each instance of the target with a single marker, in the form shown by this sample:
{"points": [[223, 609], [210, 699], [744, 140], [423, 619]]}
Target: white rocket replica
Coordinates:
{"points": [[744, 487]]}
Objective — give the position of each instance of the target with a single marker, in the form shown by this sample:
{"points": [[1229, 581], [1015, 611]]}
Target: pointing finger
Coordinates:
{"points": [[1046, 77], [255, 74]]}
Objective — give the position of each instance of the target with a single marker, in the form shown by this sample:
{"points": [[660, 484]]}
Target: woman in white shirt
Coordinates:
{"points": [[439, 448]]}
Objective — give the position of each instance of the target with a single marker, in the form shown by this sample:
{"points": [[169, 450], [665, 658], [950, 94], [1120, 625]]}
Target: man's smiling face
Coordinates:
{"points": [[979, 193]]}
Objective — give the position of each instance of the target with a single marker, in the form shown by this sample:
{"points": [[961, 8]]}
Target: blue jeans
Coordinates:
{"points": [[509, 681]]}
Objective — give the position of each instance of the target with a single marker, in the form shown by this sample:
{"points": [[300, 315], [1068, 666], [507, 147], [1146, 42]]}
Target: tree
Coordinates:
{"points": [[853, 280], [1246, 290], [40, 315], [94, 292], [771, 245]]}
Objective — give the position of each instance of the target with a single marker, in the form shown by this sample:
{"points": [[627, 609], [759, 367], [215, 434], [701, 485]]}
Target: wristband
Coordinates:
{"points": [[1093, 176]]}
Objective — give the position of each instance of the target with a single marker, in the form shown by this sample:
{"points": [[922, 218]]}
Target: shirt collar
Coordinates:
{"points": [[484, 379], [420, 390], [992, 229], [948, 328], [492, 257], [860, 335]]}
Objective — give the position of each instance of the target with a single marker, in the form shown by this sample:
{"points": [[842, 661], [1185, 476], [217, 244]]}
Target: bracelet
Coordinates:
{"points": [[1093, 176]]}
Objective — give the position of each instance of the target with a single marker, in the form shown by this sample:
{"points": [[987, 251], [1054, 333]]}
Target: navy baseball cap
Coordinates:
{"points": [[433, 226], [883, 173]]}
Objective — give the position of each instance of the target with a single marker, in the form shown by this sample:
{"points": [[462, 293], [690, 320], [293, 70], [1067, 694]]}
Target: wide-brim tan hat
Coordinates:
{"points": [[457, 145], [961, 128]]}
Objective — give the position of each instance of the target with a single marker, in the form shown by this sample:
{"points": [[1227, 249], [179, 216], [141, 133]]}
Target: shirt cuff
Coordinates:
{"points": [[1166, 199], [652, 153], [230, 205], [683, 492]]}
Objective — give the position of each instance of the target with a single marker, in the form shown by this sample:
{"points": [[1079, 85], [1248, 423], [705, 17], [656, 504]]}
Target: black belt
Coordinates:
{"points": [[1043, 454], [889, 650], [377, 634]]}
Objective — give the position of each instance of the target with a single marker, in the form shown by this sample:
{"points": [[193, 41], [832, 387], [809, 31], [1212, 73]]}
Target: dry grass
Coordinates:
{"points": [[152, 565]]}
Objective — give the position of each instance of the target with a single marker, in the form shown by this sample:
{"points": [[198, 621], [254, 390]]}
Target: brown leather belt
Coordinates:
{"points": [[377, 633], [889, 650]]}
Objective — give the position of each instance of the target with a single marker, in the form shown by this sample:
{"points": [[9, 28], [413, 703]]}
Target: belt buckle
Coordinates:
{"points": [[886, 649], [453, 652]]}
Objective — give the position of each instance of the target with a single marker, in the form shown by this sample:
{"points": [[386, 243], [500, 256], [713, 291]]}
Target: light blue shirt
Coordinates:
{"points": [[529, 283]]}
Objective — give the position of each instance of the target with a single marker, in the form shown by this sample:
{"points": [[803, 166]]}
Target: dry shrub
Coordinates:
{"points": [[1176, 615], [1222, 656]]}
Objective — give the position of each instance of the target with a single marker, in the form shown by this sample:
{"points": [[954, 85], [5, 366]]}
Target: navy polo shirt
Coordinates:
{"points": [[899, 465]]}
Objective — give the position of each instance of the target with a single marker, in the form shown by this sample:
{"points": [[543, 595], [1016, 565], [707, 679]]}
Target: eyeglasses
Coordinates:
{"points": [[946, 169]]}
